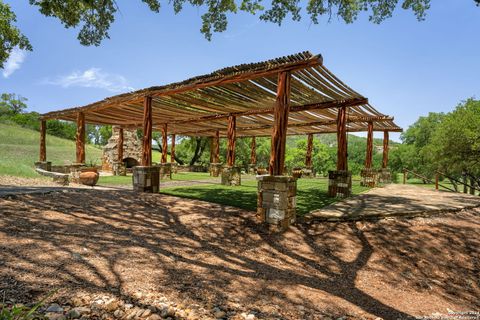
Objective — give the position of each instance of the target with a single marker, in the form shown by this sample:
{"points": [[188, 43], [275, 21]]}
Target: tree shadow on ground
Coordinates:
{"points": [[121, 242]]}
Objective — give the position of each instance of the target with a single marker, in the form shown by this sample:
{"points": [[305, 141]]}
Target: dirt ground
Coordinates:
{"points": [[205, 256]]}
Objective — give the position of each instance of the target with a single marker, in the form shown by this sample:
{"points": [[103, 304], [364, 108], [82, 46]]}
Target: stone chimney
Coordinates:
{"points": [[132, 149]]}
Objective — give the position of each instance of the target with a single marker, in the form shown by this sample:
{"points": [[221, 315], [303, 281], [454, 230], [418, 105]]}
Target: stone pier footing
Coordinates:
{"points": [[231, 176], [369, 177], [276, 201], [165, 170], [339, 183], [384, 176], [146, 179], [307, 172], [215, 169], [252, 169]]}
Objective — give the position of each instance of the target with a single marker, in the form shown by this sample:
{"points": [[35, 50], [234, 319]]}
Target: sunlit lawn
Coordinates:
{"points": [[311, 194], [127, 180]]}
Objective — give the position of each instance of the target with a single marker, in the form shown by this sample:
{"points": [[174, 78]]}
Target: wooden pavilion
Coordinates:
{"points": [[292, 95]]}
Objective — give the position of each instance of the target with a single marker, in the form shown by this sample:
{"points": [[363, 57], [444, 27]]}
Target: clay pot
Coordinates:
{"points": [[89, 176]]}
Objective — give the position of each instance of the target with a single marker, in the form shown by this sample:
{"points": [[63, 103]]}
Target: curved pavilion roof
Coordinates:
{"points": [[199, 106]]}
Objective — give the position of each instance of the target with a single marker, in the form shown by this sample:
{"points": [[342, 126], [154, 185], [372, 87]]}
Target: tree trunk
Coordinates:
{"points": [[199, 148]]}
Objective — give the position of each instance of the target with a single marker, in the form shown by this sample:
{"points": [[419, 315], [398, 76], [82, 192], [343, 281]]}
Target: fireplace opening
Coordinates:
{"points": [[130, 163]]}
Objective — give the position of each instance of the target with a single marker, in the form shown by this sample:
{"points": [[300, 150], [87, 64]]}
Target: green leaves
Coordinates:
{"points": [[10, 35]]}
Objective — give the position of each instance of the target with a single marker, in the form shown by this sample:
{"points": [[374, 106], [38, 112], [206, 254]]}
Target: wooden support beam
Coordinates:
{"points": [[216, 153], [147, 132], [385, 149], [353, 119], [306, 107], [43, 145], [80, 137], [120, 145], [232, 121], [253, 151], [279, 132], [342, 139], [172, 150], [308, 157], [369, 153], [164, 143]]}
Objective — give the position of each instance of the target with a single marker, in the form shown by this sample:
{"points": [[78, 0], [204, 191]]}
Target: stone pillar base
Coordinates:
{"points": [[384, 176], [307, 172], [276, 201], [146, 179], [252, 169], [75, 170], [215, 169], [165, 170], [231, 176], [44, 165], [369, 177], [119, 169], [339, 183]]}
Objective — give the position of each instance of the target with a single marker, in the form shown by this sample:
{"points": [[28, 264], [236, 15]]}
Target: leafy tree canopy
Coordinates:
{"points": [[94, 17]]}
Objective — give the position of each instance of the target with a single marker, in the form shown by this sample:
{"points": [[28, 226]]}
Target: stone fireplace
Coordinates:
{"points": [[132, 150]]}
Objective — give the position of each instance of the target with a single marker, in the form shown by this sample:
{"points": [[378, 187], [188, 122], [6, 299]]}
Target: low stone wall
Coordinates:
{"points": [[44, 165], [146, 179], [60, 178], [231, 176], [194, 168], [369, 177], [276, 202], [339, 183]]}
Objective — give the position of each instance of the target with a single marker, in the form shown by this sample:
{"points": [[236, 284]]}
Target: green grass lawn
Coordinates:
{"points": [[311, 194], [19, 149], [127, 180]]}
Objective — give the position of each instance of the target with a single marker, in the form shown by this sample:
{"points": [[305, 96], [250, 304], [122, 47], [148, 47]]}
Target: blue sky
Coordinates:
{"points": [[406, 68]]}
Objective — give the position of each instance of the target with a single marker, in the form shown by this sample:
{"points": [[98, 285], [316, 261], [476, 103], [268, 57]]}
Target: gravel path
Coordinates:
{"points": [[210, 261]]}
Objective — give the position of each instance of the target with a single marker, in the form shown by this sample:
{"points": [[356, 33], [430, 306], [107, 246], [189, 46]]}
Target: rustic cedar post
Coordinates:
{"points": [[340, 181], [80, 137], [212, 146], [216, 158], [253, 152], [232, 122], [369, 155], [43, 146], [342, 139], [276, 193], [385, 149], [164, 143], [279, 133], [147, 132], [146, 177], [120, 145], [308, 157], [172, 150], [231, 175]]}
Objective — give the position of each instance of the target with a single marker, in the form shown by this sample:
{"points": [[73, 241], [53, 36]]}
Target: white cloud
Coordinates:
{"points": [[92, 78], [14, 62]]}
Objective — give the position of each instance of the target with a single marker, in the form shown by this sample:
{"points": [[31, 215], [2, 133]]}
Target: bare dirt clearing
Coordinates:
{"points": [[207, 257]]}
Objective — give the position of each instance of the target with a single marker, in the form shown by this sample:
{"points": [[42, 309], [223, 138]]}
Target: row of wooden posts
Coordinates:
{"points": [[279, 135]]}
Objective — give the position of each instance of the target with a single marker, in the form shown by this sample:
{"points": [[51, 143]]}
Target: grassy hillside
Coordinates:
{"points": [[19, 148]]}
